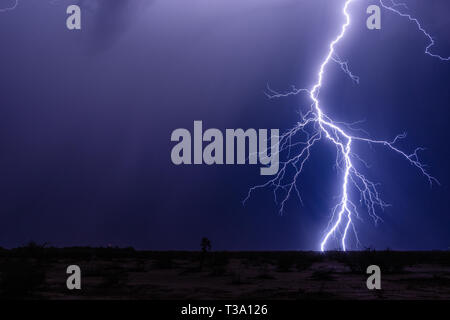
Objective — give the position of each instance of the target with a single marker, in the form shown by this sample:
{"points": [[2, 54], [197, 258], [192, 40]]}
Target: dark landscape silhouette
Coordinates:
{"points": [[39, 272]]}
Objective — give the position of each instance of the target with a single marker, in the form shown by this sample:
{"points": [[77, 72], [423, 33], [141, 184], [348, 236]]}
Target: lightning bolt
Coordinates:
{"points": [[431, 42], [15, 4], [315, 125]]}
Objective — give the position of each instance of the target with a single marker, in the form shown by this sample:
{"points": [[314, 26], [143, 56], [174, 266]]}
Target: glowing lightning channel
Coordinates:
{"points": [[314, 125], [328, 125], [419, 26]]}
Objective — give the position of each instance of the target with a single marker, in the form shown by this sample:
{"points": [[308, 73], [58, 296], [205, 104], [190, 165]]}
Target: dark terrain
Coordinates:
{"points": [[38, 272]]}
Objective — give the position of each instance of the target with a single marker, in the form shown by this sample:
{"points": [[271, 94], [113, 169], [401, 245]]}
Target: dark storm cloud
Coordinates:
{"points": [[6, 5], [85, 138], [107, 20]]}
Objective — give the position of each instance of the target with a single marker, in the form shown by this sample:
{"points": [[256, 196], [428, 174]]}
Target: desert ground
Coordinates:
{"points": [[38, 272]]}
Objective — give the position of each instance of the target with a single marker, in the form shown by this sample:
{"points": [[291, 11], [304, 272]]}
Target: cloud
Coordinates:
{"points": [[107, 20]]}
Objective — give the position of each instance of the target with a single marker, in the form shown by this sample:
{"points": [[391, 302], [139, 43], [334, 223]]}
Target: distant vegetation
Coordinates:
{"points": [[285, 260], [26, 270]]}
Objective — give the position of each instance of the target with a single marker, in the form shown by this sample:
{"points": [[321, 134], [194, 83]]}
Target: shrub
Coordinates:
{"points": [[164, 262], [285, 262], [388, 261], [20, 278], [322, 275]]}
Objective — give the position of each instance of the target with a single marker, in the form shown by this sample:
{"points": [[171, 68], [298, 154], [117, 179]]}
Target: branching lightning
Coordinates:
{"points": [[431, 42], [315, 125]]}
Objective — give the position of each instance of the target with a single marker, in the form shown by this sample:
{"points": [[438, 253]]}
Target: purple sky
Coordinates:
{"points": [[86, 118]]}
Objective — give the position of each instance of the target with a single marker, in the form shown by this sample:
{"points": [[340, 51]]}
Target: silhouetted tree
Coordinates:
{"points": [[206, 247]]}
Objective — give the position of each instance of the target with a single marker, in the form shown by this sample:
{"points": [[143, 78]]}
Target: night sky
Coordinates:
{"points": [[86, 118]]}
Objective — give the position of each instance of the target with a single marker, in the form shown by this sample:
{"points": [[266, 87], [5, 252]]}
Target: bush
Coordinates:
{"points": [[164, 262], [322, 275], [285, 262], [220, 259], [388, 261], [20, 278], [113, 278], [264, 273]]}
